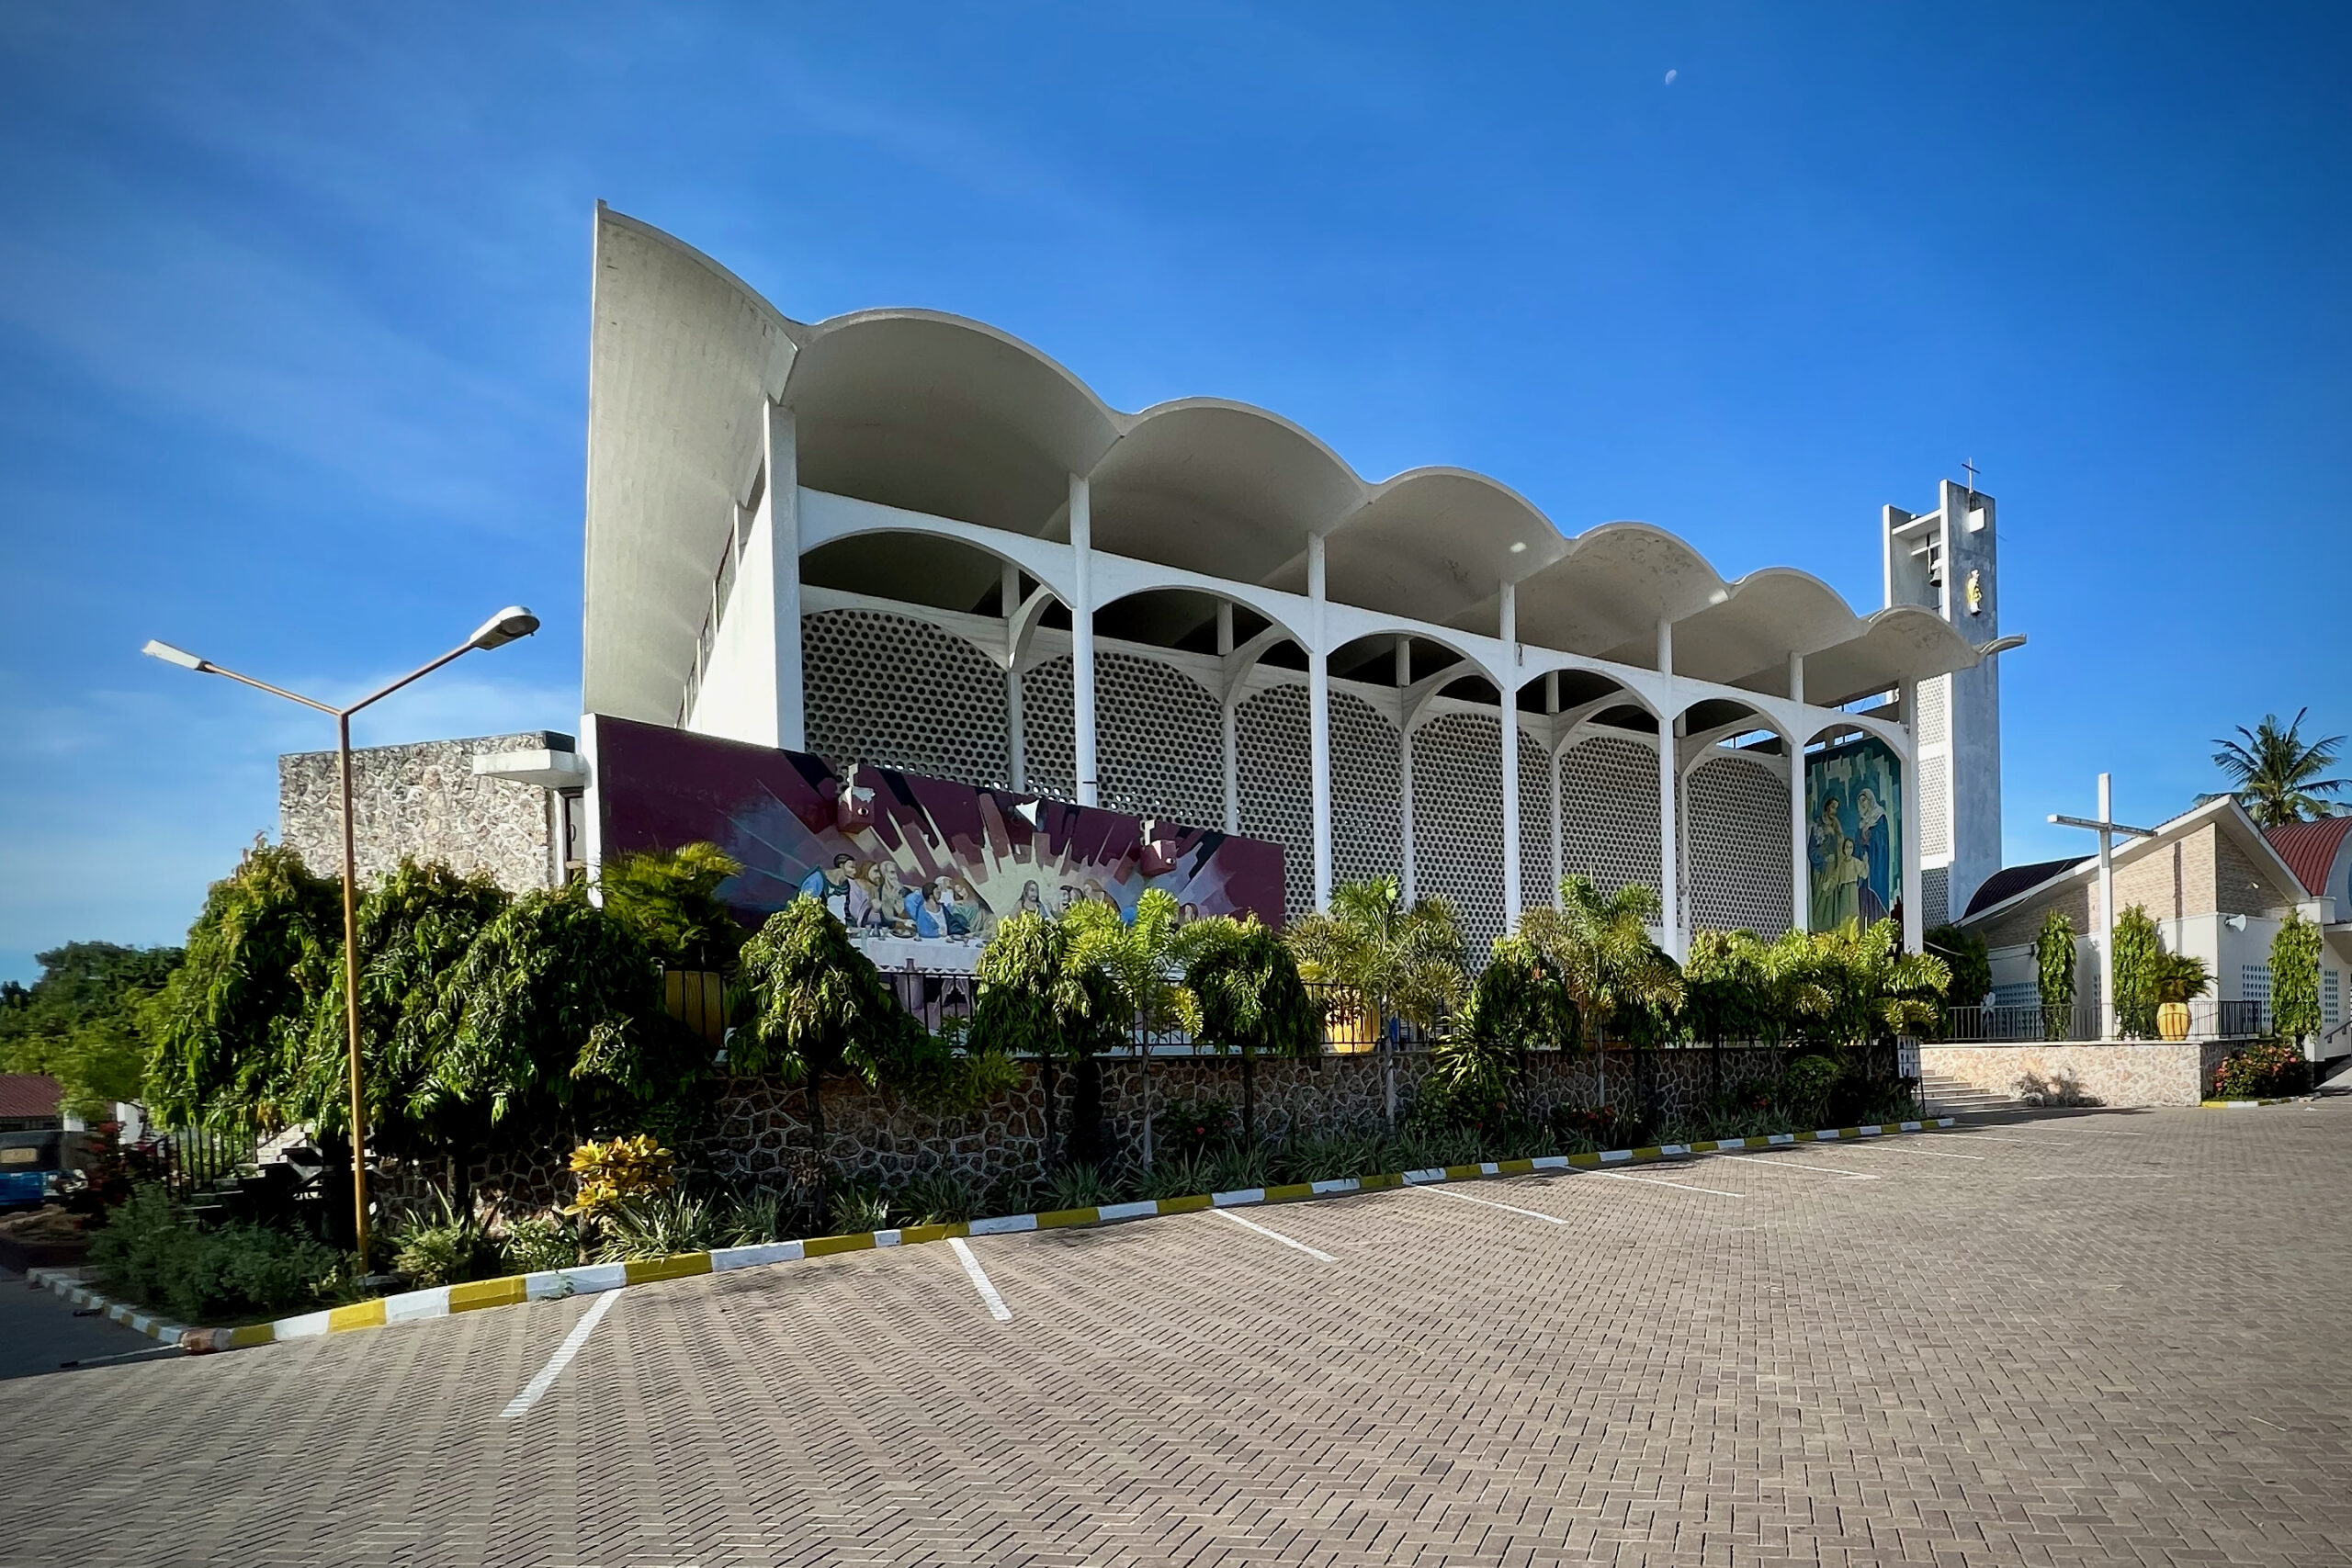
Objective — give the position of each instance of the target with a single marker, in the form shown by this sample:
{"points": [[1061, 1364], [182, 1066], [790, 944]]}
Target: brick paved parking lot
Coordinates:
{"points": [[2101, 1338]]}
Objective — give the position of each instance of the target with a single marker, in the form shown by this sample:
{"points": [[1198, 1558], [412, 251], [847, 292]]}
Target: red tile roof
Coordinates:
{"points": [[2310, 848], [29, 1094]]}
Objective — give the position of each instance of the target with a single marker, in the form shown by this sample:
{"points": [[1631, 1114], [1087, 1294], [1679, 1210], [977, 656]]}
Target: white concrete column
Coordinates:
{"points": [[1669, 835], [1915, 894], [1319, 722], [1017, 741], [2108, 1017], [1230, 722], [1552, 750], [1513, 894], [1800, 825], [783, 503], [1404, 766], [1081, 635]]}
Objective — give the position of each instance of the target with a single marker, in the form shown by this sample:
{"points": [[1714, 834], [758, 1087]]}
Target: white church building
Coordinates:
{"points": [[911, 540]]}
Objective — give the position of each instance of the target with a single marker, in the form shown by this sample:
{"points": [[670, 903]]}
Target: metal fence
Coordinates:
{"points": [[197, 1159], [2208, 1019], [946, 1000]]}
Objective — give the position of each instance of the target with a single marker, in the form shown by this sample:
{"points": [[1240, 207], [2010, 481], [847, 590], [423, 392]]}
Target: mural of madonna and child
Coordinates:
{"points": [[900, 857], [1853, 798]]}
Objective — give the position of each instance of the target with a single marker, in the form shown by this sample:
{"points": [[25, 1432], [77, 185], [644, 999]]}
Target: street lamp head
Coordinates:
{"points": [[170, 655], [503, 628]]}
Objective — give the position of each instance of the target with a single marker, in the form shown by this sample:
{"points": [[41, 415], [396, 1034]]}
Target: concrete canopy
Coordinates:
{"points": [[950, 417]]}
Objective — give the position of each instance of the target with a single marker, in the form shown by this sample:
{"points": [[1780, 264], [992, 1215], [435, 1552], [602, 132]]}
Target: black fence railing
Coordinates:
{"points": [[199, 1159], [2208, 1019]]}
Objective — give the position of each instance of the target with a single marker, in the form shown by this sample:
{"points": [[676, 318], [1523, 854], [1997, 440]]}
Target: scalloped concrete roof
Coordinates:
{"points": [[947, 417]]}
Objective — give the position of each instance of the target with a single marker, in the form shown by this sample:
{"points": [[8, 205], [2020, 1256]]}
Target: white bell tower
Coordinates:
{"points": [[1948, 560]]}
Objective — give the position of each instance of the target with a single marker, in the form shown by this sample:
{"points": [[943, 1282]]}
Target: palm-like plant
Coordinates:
{"points": [[1599, 945], [820, 1008], [1246, 982], [2275, 774], [1397, 960], [1873, 988], [671, 898]]}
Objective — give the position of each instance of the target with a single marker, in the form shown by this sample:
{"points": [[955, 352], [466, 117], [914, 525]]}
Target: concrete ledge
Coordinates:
{"points": [[444, 1301]]}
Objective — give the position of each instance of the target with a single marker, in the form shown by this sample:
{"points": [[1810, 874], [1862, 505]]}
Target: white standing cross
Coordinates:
{"points": [[2106, 827]]}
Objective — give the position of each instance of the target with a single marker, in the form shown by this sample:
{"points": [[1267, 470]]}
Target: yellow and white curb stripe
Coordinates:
{"points": [[553, 1284], [2250, 1104]]}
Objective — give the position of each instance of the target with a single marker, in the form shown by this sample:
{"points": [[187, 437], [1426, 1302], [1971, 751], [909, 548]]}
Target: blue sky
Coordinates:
{"points": [[293, 316]]}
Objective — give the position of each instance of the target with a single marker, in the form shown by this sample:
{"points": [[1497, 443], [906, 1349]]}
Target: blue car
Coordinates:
{"points": [[35, 1165]]}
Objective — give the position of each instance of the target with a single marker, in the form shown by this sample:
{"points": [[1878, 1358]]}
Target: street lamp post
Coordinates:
{"points": [[507, 625]]}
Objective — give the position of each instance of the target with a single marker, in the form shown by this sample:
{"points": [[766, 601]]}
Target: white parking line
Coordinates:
{"points": [[1274, 1235], [1791, 1165], [2108, 1176], [1491, 1204], [521, 1404], [1660, 1181], [980, 1282], [1924, 1154]]}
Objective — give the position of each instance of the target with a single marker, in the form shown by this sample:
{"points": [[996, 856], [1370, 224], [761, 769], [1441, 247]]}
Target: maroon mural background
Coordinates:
{"points": [[927, 860]]}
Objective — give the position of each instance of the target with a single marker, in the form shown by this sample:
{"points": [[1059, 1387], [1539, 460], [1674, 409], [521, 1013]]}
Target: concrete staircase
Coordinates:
{"points": [[1948, 1096]]}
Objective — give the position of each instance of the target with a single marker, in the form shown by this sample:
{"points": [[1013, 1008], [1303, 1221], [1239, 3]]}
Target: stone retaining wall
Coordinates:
{"points": [[2125, 1073], [761, 1133]]}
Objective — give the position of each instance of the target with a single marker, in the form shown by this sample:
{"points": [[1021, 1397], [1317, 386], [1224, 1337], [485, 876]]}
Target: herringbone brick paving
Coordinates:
{"points": [[2099, 1340]]}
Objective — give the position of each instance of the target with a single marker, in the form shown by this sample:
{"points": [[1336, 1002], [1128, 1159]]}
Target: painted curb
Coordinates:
{"points": [[2251, 1104], [554, 1284]]}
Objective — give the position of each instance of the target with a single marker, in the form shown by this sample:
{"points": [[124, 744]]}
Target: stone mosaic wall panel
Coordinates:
{"points": [[423, 800]]}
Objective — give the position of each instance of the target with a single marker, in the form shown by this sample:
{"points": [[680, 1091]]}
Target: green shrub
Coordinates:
{"points": [[152, 1251], [1187, 1127], [445, 1246], [1234, 1169], [1333, 1159], [1078, 1185], [541, 1241], [1437, 1147], [1805, 1089], [1181, 1176], [855, 1207], [660, 1225], [2262, 1071], [1475, 1101], [939, 1198]]}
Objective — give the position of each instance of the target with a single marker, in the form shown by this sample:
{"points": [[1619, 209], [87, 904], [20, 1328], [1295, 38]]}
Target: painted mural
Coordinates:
{"points": [[1853, 799], [920, 869]]}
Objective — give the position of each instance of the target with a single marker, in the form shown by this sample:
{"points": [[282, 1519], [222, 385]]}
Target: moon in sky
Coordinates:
{"points": [[1670, 76]]}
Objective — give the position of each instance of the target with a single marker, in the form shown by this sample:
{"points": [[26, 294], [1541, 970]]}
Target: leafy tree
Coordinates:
{"points": [[79, 1023], [416, 925], [2294, 979], [1245, 981], [1972, 966], [230, 1025], [2054, 962], [1519, 1000], [2274, 773], [1399, 960], [1599, 945], [557, 1006], [817, 1008], [669, 897], [1126, 970], [2136, 952], [1058, 989]]}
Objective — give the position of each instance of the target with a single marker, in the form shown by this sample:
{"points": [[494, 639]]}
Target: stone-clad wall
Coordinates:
{"points": [[762, 1134], [2137, 1073], [423, 800]]}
